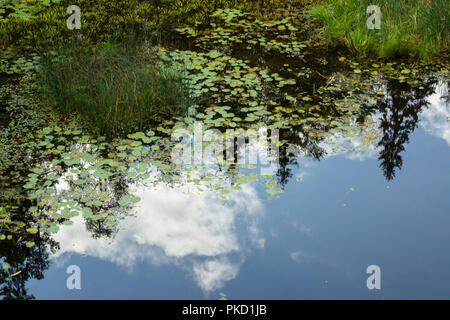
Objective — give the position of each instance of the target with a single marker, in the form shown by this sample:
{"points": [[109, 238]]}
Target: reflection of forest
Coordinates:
{"points": [[398, 118], [24, 263]]}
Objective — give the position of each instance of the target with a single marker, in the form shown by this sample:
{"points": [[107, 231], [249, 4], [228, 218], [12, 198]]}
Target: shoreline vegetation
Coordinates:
{"points": [[414, 28]]}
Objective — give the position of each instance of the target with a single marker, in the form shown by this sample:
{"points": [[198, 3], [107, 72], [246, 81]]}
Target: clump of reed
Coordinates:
{"points": [[115, 87], [417, 28]]}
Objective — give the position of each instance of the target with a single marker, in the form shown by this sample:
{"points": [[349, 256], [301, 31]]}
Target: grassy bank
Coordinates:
{"points": [[417, 28]]}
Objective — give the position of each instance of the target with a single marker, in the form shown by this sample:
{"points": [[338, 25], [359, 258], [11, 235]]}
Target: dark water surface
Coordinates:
{"points": [[351, 210]]}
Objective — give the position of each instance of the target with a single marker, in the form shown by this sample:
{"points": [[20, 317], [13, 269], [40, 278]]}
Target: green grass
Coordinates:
{"points": [[416, 28], [115, 87]]}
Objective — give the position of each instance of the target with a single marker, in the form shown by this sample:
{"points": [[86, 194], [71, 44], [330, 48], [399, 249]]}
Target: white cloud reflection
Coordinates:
{"points": [[197, 232], [436, 118]]}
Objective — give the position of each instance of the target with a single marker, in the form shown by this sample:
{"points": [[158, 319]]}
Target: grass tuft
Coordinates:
{"points": [[115, 87], [416, 28]]}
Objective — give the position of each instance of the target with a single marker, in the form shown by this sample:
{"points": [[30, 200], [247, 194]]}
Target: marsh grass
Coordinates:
{"points": [[115, 87], [417, 28]]}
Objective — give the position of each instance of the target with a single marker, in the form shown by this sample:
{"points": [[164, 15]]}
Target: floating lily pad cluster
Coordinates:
{"points": [[233, 27], [365, 83], [235, 92], [25, 10], [21, 65], [90, 176]]}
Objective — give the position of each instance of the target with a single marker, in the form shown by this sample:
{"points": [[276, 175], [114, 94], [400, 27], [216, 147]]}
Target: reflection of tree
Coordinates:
{"points": [[27, 263], [116, 189], [296, 137], [301, 139], [399, 118]]}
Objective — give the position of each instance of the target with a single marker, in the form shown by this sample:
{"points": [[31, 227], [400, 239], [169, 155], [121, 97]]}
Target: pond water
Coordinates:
{"points": [[361, 178], [315, 240]]}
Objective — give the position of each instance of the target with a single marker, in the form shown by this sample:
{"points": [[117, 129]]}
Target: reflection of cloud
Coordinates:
{"points": [[362, 146], [354, 143], [353, 148], [300, 256], [251, 147], [194, 231], [212, 274], [436, 118], [302, 228]]}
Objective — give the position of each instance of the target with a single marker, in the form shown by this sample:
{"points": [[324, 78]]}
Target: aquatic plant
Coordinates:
{"points": [[24, 10], [39, 24], [115, 87]]}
